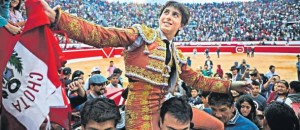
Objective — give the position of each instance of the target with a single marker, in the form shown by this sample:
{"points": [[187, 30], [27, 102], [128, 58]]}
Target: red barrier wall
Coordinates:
{"points": [[111, 52]]}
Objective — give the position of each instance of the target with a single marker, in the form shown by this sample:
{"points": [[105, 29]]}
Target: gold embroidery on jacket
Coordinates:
{"points": [[94, 36], [72, 27], [151, 77], [218, 87], [146, 126], [149, 35], [111, 41]]}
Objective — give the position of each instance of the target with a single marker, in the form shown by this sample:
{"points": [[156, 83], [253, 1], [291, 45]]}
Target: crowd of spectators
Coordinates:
{"points": [[270, 20]]}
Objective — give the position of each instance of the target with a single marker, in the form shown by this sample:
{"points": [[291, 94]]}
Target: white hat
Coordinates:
{"points": [[96, 68]]}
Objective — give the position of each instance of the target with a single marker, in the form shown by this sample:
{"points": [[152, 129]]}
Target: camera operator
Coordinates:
{"points": [[243, 66], [254, 75], [269, 86]]}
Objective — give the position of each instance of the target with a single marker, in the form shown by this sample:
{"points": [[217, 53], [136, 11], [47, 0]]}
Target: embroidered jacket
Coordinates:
{"points": [[145, 61]]}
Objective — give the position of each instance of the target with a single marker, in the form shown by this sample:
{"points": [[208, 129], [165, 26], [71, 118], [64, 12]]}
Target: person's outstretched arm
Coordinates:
{"points": [[92, 34], [195, 80]]}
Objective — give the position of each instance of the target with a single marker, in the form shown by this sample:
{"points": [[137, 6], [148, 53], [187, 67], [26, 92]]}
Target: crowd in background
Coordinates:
{"points": [[270, 20], [246, 21]]}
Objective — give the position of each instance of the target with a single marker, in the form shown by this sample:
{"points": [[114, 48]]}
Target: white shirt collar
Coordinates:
{"points": [[163, 36]]}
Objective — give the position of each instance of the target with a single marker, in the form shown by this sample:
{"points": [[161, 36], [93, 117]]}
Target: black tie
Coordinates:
{"points": [[168, 55]]}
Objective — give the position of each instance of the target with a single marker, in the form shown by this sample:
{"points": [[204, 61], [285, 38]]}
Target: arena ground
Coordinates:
{"points": [[285, 64]]}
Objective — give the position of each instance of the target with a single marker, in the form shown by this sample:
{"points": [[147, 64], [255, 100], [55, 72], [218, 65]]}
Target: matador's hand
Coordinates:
{"points": [[240, 86], [49, 11]]}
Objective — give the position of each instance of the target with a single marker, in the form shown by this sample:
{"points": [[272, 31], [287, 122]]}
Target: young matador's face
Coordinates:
{"points": [[170, 21]]}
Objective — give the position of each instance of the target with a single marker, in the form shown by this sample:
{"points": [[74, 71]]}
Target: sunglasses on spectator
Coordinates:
{"points": [[96, 72], [102, 84]]}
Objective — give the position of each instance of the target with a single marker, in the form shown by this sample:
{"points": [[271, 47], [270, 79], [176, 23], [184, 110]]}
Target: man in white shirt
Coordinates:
{"points": [[271, 72]]}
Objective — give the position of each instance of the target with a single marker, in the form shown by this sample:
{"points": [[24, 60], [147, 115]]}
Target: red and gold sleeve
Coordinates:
{"points": [[195, 80], [92, 34]]}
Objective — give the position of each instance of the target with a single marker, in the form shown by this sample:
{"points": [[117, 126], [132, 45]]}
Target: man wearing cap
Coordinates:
{"points": [[95, 70], [66, 75], [235, 75], [97, 86]]}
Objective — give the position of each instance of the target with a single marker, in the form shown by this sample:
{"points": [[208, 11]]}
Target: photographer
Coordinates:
{"points": [[243, 66], [254, 75], [269, 85]]}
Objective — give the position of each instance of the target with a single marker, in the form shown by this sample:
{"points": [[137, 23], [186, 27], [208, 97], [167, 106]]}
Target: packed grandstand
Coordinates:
{"points": [[270, 20]]}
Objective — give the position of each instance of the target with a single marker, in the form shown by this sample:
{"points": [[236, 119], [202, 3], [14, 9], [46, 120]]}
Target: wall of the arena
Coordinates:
{"points": [[225, 48]]}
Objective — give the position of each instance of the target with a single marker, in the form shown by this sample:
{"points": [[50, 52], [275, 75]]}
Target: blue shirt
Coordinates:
{"points": [[238, 122], [4, 13], [270, 74], [189, 62], [298, 65]]}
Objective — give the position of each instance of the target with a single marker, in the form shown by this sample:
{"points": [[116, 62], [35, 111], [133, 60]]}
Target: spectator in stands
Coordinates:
{"points": [[95, 70], [241, 23], [97, 85], [100, 114], [175, 114], [279, 116], [246, 106], [258, 99], [114, 81], [272, 72], [15, 14], [111, 68], [294, 93], [223, 108]]}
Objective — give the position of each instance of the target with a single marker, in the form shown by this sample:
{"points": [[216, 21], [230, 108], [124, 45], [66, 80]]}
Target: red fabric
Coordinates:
{"points": [[203, 120], [36, 36], [220, 71], [271, 97]]}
